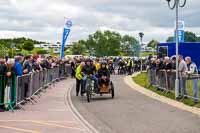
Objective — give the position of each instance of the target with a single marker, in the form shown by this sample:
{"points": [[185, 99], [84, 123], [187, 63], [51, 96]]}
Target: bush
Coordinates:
{"points": [[41, 51]]}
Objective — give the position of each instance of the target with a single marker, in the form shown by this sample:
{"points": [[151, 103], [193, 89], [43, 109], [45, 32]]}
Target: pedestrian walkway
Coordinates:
{"points": [[51, 114]]}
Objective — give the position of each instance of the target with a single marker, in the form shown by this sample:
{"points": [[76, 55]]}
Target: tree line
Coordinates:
{"points": [[9, 47], [107, 43], [101, 43], [189, 37]]}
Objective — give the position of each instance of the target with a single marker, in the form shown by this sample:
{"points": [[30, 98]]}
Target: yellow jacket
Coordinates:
{"points": [[130, 62], [97, 66], [78, 73]]}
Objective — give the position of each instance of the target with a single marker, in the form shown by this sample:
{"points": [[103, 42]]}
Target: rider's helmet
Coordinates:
{"points": [[103, 63], [88, 60]]}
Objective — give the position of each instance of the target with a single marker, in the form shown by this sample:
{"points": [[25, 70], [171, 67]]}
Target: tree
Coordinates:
{"points": [[153, 43], [42, 52], [78, 48], [18, 41], [189, 37], [198, 39], [105, 43], [128, 45], [28, 45], [170, 39]]}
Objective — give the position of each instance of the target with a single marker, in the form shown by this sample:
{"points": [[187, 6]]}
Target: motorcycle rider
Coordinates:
{"points": [[89, 70]]}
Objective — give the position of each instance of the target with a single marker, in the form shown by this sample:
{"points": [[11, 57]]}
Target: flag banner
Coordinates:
{"points": [[181, 32], [66, 31]]}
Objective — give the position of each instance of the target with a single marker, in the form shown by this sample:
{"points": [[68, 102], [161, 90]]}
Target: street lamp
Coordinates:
{"points": [[141, 35], [172, 5]]}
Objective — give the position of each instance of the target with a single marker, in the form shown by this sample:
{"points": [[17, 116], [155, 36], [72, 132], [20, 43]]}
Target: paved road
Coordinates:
{"points": [[50, 115], [132, 112]]}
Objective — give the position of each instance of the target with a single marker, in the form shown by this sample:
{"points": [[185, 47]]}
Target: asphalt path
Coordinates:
{"points": [[133, 112], [51, 114]]}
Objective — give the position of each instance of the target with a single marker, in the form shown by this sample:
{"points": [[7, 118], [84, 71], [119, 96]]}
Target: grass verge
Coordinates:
{"points": [[142, 80]]}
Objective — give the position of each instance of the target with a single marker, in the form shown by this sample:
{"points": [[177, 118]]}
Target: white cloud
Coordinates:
{"points": [[43, 19]]}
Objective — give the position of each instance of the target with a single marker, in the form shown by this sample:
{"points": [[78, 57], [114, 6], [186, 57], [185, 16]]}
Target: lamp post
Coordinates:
{"points": [[141, 35], [175, 4]]}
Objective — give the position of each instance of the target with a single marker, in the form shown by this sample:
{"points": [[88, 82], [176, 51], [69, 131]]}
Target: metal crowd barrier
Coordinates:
{"points": [[28, 85], [62, 70], [68, 69], [16, 90], [187, 87], [23, 87], [165, 80], [162, 79]]}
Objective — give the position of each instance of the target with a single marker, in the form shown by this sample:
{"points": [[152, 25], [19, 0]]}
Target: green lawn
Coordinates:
{"points": [[142, 80]]}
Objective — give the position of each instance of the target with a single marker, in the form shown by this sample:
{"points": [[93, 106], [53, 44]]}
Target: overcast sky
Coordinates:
{"points": [[44, 19]]}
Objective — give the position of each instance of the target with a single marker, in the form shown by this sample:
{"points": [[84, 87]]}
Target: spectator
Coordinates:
{"points": [[192, 69], [182, 71], [18, 66], [45, 64], [27, 69], [173, 62], [158, 65], [11, 77], [2, 82], [167, 64], [27, 65], [79, 79], [36, 64], [152, 68], [168, 68], [130, 65], [73, 67]]}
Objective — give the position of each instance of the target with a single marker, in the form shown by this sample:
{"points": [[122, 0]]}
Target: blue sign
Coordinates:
{"points": [[181, 32], [181, 36], [181, 25], [68, 24], [66, 32]]}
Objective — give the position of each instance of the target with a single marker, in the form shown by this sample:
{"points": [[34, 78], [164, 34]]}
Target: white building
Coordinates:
{"points": [[47, 46], [145, 48]]}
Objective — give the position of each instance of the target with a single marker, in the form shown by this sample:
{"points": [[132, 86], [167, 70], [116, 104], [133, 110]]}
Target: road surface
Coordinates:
{"points": [[132, 112]]}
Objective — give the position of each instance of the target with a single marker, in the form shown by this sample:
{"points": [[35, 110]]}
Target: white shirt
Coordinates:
{"points": [[182, 67], [192, 69]]}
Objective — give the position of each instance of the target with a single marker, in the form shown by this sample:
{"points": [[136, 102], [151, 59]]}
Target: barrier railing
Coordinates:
{"points": [[165, 80], [23, 87], [16, 90], [68, 69], [189, 86], [62, 70]]}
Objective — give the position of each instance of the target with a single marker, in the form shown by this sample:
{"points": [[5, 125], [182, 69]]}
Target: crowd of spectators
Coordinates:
{"points": [[21, 65], [185, 67]]}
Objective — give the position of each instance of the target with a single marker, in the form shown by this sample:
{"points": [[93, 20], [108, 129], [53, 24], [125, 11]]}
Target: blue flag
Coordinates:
{"points": [[66, 32]]}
